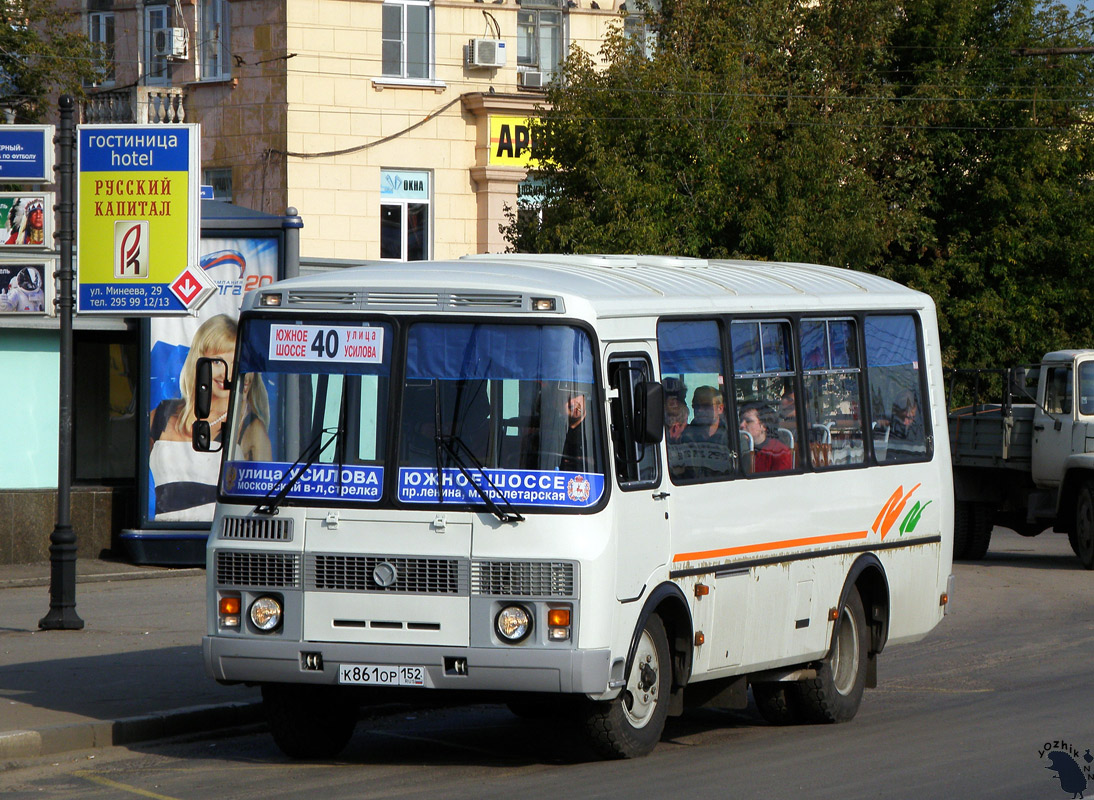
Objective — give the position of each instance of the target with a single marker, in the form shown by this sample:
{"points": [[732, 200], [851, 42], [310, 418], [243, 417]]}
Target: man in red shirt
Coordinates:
{"points": [[771, 455]]}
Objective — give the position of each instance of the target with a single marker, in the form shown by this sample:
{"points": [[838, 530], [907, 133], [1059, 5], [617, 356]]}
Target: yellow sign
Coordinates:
{"points": [[138, 219], [511, 142]]}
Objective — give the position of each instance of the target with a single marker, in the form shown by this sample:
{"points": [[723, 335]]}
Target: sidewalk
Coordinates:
{"points": [[134, 673]]}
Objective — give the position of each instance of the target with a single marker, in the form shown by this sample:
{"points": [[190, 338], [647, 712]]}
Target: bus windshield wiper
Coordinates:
{"points": [[453, 444], [307, 458]]}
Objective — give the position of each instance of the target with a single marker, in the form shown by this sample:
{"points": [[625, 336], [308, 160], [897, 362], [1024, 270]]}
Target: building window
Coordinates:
{"points": [[540, 38], [406, 40], [100, 30], [215, 40], [221, 181], [404, 215], [155, 66]]}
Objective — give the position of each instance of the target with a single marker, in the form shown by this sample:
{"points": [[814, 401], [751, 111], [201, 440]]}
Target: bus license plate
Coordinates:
{"points": [[373, 675]]}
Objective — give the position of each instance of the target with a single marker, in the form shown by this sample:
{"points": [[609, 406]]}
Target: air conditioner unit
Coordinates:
{"points": [[169, 42], [534, 80], [486, 53]]}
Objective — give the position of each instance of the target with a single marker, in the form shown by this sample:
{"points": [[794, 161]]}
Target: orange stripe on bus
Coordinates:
{"points": [[767, 546]]}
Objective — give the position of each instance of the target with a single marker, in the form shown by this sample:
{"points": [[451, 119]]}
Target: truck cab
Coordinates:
{"points": [[1027, 462]]}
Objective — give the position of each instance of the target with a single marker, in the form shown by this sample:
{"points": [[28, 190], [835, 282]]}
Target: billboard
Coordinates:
{"points": [[138, 220], [26, 287], [182, 481], [26, 153], [27, 219]]}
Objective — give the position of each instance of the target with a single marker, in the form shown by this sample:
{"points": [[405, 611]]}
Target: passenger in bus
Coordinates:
{"points": [[676, 425], [574, 457], [788, 410], [770, 455], [905, 422], [706, 439]]}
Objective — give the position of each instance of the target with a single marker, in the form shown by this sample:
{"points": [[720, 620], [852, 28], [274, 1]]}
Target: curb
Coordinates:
{"points": [[130, 730], [103, 577]]}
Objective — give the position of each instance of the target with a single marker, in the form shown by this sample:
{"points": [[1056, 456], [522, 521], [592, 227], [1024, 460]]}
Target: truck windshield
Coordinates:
{"points": [[500, 415]]}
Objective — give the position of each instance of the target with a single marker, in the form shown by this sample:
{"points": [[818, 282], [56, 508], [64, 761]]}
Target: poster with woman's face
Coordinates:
{"points": [[181, 480]]}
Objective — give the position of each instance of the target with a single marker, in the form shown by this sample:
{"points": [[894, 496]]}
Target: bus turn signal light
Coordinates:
{"points": [[558, 618], [229, 605]]}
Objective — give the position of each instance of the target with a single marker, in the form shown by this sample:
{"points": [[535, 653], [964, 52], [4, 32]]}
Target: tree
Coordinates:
{"points": [[43, 50], [908, 140]]}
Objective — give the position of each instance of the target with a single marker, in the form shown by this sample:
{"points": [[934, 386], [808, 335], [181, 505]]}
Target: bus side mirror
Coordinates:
{"points": [[200, 438], [649, 412], [203, 387]]}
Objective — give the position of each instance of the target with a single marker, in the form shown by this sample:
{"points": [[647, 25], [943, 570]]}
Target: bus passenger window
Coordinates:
{"points": [[900, 420], [767, 406], [831, 377], [697, 439]]}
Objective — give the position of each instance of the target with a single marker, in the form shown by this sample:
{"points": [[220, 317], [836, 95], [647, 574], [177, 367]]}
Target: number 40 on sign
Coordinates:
{"points": [[326, 343]]}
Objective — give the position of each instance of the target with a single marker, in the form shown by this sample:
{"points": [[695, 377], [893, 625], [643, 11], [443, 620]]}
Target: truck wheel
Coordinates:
{"points": [[309, 721], [630, 726], [1083, 542], [835, 694], [979, 531], [962, 519]]}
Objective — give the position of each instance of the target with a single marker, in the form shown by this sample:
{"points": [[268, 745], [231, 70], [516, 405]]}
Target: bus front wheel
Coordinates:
{"points": [[630, 726], [308, 721], [835, 694]]}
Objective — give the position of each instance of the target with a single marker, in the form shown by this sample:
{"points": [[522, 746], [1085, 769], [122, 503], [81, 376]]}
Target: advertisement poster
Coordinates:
{"points": [[137, 219], [182, 481], [26, 287], [27, 219]]}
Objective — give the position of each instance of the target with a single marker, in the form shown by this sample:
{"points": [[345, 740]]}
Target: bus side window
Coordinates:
{"points": [[698, 436], [635, 462], [902, 424]]}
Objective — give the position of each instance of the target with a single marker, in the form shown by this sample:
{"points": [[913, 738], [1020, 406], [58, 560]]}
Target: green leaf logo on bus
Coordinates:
{"points": [[892, 510]]}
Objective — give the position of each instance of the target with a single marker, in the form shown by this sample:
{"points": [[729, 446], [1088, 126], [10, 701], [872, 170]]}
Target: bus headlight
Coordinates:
{"points": [[513, 623], [266, 613]]}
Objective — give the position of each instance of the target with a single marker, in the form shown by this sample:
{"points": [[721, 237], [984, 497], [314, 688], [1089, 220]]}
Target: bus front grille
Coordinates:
{"points": [[347, 573], [247, 568], [257, 529], [523, 579]]}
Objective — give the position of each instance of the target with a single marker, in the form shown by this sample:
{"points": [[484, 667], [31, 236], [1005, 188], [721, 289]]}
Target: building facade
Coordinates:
{"points": [[395, 128]]}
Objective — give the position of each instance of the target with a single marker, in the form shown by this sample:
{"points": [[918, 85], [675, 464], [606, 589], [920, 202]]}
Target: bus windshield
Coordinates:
{"points": [[497, 414]]}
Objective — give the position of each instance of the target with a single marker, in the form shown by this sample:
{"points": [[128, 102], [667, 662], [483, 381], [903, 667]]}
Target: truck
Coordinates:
{"points": [[1022, 446]]}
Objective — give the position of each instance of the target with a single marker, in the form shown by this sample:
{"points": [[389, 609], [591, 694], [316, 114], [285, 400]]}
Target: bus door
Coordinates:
{"points": [[640, 510]]}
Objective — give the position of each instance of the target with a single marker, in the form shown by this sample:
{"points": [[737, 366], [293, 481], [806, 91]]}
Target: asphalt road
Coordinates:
{"points": [[964, 714]]}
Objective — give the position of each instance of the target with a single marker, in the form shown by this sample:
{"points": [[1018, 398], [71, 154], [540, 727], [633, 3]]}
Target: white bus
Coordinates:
{"points": [[606, 485]]}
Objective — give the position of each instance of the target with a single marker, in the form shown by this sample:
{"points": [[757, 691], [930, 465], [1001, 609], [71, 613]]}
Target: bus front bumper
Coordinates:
{"points": [[516, 669]]}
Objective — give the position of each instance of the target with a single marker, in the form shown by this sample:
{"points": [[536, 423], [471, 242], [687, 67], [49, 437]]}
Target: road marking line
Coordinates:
{"points": [[87, 776]]}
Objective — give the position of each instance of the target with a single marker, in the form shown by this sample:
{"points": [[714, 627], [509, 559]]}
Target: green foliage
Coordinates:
{"points": [[43, 50], [912, 140]]}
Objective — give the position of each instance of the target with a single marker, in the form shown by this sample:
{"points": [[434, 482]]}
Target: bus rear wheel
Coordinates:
{"points": [[836, 693], [630, 726], [309, 721]]}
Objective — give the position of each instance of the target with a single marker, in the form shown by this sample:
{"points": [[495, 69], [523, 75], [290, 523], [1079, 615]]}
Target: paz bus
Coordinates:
{"points": [[607, 486]]}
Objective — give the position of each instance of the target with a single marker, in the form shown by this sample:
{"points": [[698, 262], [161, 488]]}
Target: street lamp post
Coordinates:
{"points": [[62, 542]]}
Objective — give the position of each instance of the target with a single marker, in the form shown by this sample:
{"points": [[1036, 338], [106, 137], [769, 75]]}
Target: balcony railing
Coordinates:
{"points": [[137, 104]]}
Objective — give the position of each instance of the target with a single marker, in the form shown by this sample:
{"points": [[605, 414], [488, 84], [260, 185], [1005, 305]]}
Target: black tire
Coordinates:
{"points": [[1082, 536], [630, 726], [836, 693], [309, 721], [962, 521], [979, 532], [778, 702]]}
